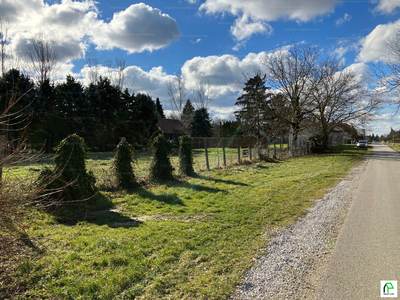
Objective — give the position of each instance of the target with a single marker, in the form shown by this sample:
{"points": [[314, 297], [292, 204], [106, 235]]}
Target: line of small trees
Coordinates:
{"points": [[71, 179]]}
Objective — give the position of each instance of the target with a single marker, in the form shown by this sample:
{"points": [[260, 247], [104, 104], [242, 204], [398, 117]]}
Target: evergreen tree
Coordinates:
{"points": [[160, 111], [229, 128], [15, 82], [47, 119], [123, 165], [253, 104], [75, 182], [186, 155], [106, 106], [73, 107], [127, 114], [161, 167], [146, 117], [202, 123], [188, 116]]}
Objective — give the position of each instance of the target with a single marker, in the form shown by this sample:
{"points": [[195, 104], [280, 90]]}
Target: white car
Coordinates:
{"points": [[362, 144]]}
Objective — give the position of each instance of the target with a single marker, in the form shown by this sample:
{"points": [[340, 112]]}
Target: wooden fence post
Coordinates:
{"points": [[223, 151], [205, 148], [238, 147], [250, 151]]}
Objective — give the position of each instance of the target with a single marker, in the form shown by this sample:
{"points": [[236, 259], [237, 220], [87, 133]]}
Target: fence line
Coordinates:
{"points": [[209, 153]]}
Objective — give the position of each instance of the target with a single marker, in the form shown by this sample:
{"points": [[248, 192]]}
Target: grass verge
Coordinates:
{"points": [[192, 238], [394, 146]]}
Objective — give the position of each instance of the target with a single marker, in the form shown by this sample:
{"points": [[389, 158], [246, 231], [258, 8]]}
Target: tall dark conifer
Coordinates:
{"points": [[202, 123], [188, 116], [253, 105], [160, 111]]}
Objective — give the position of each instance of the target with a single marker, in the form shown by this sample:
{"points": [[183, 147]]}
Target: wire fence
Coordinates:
{"points": [[208, 154]]}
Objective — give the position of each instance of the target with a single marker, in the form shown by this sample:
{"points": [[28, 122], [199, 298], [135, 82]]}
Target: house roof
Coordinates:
{"points": [[171, 126]]}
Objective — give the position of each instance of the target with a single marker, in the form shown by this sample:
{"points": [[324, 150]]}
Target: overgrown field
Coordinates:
{"points": [[192, 238]]}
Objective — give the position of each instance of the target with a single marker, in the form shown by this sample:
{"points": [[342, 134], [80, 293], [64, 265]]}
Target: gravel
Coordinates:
{"points": [[297, 255]]}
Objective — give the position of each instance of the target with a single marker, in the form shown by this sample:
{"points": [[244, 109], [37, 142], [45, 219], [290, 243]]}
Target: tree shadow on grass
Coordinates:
{"points": [[171, 199], [262, 167], [220, 181], [227, 181], [112, 219], [197, 187], [70, 213]]}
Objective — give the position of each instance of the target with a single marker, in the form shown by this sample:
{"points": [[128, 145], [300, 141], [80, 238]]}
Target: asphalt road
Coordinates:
{"points": [[368, 247]]}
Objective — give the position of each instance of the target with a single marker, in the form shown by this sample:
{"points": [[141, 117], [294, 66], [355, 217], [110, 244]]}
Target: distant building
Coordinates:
{"points": [[171, 128], [340, 134]]}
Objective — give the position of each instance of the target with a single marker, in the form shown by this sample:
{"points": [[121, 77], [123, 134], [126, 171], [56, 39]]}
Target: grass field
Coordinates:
{"points": [[100, 163], [192, 238]]}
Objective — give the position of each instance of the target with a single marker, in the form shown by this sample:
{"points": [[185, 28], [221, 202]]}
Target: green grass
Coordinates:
{"points": [[196, 239], [100, 163], [395, 146]]}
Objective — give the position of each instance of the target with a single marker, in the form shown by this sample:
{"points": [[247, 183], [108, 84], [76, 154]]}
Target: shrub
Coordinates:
{"points": [[161, 168], [71, 166], [122, 166], [316, 144], [186, 155]]}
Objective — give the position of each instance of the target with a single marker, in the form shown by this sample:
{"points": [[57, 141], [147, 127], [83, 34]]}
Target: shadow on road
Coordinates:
{"points": [[385, 153]]}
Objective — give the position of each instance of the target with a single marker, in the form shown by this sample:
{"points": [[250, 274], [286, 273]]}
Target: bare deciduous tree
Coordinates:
{"points": [[116, 71], [120, 65], [388, 73], [93, 65], [202, 95], [4, 28], [288, 73], [42, 56], [340, 97], [177, 92]]}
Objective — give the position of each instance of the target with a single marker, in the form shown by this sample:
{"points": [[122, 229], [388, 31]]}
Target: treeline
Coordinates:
{"points": [[100, 113]]}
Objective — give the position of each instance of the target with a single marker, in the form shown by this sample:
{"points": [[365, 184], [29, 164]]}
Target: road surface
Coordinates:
{"points": [[368, 247]]}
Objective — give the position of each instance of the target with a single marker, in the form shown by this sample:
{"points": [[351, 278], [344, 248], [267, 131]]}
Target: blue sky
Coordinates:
{"points": [[205, 40]]}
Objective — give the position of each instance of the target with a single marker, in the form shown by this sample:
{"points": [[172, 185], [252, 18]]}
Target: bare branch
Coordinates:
{"points": [[177, 91], [4, 28], [93, 65], [202, 95], [42, 55]]}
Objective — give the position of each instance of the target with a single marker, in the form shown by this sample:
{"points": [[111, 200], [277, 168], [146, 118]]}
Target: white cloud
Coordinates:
{"points": [[244, 28], [222, 72], [136, 29], [74, 25], [363, 71], [374, 44], [261, 11], [340, 21], [383, 123], [387, 6]]}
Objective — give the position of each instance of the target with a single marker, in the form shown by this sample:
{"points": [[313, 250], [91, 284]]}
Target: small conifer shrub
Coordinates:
{"points": [[70, 170], [186, 155], [161, 168], [123, 165]]}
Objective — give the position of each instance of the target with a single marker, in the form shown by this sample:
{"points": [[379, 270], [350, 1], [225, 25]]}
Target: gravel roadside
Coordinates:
{"points": [[297, 255]]}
